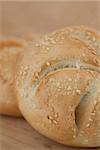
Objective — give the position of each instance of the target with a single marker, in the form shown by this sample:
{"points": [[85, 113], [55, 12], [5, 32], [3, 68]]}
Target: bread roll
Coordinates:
{"points": [[9, 53], [58, 91], [10, 50]]}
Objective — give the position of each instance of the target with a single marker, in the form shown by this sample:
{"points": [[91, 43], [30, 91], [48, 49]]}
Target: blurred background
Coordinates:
{"points": [[21, 18]]}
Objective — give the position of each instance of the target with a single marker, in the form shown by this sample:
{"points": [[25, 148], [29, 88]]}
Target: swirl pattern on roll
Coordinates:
{"points": [[58, 86]]}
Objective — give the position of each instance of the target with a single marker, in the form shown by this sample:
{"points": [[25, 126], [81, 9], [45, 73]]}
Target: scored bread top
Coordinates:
{"points": [[59, 77], [86, 35]]}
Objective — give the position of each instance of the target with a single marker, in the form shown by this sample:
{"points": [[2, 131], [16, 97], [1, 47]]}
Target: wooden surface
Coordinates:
{"points": [[24, 18]]}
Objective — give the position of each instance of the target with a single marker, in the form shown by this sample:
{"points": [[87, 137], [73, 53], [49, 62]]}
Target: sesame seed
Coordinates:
{"points": [[50, 121], [94, 39], [50, 117], [87, 125], [56, 115], [57, 84], [83, 55], [36, 75], [47, 48], [62, 38], [53, 41], [51, 80], [26, 68], [96, 61], [93, 52], [88, 33], [93, 114], [37, 45], [59, 89], [78, 91], [68, 93], [82, 132], [69, 88], [74, 136], [48, 64], [54, 121], [90, 119], [44, 43], [73, 129], [95, 102], [69, 79]]}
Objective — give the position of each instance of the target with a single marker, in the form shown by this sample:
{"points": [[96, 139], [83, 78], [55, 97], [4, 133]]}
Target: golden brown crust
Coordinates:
{"points": [[63, 97], [9, 53], [60, 87], [88, 36]]}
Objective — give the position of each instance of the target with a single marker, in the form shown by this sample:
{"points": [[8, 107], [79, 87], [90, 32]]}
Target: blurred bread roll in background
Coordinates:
{"points": [[10, 50]]}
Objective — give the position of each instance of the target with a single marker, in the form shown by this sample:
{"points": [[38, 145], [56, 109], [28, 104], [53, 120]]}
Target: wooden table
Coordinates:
{"points": [[25, 18]]}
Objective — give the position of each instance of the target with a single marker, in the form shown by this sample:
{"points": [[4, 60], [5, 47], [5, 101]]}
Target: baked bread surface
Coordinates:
{"points": [[58, 87], [9, 53]]}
